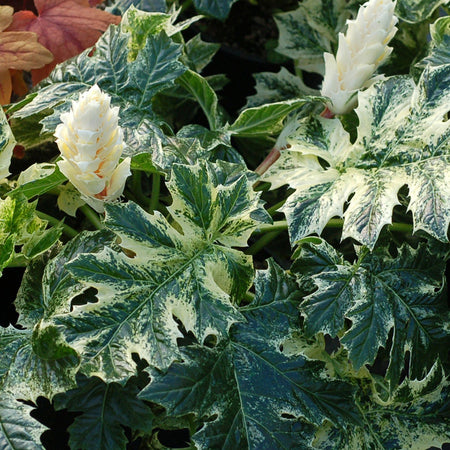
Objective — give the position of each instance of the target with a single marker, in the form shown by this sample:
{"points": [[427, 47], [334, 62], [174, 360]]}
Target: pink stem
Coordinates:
{"points": [[327, 113], [270, 159]]}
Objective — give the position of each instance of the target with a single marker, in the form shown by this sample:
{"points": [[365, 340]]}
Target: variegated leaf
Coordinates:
{"points": [[131, 85], [36, 361], [403, 139], [248, 393], [417, 10], [416, 417], [310, 30], [18, 430], [7, 143], [380, 295], [277, 87], [22, 233], [183, 270]]}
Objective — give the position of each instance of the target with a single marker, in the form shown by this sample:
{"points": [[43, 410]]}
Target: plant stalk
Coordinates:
{"points": [[278, 225], [156, 184], [67, 230], [262, 242], [92, 216], [270, 159]]}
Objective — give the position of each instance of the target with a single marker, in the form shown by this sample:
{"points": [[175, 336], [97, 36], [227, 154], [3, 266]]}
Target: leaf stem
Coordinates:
{"points": [[156, 184], [92, 216], [18, 261], [270, 159], [278, 225], [274, 209], [327, 113], [396, 226], [372, 432], [262, 242], [67, 230], [136, 183]]}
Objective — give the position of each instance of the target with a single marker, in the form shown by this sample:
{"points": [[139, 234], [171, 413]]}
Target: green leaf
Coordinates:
{"points": [[7, 143], [185, 270], [119, 7], [19, 226], [199, 53], [141, 25], [440, 44], [266, 119], [18, 430], [417, 416], [105, 409], [47, 287], [131, 85], [403, 139], [214, 8], [277, 87], [38, 179], [379, 294], [35, 362], [414, 11], [309, 31], [199, 88], [247, 393], [194, 143]]}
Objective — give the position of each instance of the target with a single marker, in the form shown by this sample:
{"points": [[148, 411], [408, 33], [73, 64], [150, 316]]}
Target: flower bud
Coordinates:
{"points": [[91, 143], [360, 51]]}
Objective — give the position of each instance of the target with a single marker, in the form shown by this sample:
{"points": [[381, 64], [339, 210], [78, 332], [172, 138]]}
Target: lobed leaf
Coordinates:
{"points": [[105, 409], [18, 430], [310, 30], [131, 85], [214, 8], [403, 139], [247, 393], [183, 271], [7, 143], [416, 417], [277, 87], [36, 361], [382, 296]]}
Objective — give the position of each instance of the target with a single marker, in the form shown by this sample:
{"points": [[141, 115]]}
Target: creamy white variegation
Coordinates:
{"points": [[91, 144], [361, 50]]}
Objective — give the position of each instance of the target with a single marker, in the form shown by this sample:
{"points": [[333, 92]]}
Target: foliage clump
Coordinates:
{"points": [[177, 279]]}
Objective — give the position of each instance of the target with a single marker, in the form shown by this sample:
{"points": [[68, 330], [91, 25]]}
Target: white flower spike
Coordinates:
{"points": [[360, 51], [91, 143]]}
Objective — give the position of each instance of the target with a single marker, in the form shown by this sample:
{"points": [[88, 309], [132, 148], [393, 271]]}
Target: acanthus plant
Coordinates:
{"points": [[145, 313]]}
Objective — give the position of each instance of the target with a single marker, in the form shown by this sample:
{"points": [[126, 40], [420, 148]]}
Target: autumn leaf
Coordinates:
{"points": [[19, 50], [65, 27]]}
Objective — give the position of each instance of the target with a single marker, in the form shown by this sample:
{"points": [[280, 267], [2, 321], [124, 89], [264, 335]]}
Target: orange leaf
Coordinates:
{"points": [[19, 86], [6, 13], [65, 27], [19, 49], [5, 87]]}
